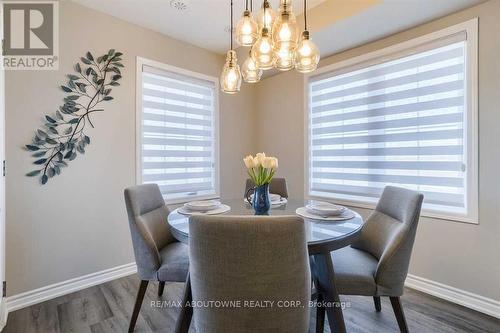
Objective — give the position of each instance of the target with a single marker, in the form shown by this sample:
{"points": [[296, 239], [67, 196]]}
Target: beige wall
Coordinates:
{"points": [[461, 255], [280, 125], [76, 224]]}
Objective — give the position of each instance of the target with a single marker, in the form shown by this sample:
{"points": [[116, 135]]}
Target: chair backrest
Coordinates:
{"points": [[250, 259], [277, 186], [389, 234], [147, 215]]}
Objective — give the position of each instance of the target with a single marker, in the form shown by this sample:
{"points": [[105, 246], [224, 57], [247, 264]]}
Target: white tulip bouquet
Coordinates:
{"points": [[261, 168]]}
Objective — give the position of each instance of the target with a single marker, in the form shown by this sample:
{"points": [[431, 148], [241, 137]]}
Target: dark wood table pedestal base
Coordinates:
{"points": [[328, 297]]}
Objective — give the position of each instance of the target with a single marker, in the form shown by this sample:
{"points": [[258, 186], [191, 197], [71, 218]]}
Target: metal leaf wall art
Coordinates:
{"points": [[63, 135]]}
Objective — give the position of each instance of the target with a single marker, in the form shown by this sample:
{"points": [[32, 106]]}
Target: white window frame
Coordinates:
{"points": [[138, 121], [470, 27]]}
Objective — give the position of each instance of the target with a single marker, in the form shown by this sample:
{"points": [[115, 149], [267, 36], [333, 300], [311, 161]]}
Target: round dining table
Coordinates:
{"points": [[323, 237]]}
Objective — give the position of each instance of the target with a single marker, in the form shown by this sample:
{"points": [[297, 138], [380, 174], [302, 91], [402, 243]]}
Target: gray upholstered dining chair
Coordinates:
{"points": [[248, 258], [159, 257], [277, 186], [377, 263]]}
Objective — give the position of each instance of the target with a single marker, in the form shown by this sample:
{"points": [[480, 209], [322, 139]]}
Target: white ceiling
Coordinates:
{"points": [[205, 22], [384, 19]]}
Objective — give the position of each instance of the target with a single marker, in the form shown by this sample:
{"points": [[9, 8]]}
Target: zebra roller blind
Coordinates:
{"points": [[178, 134], [399, 121]]}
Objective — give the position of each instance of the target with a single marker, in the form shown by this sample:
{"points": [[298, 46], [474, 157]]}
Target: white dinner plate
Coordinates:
{"points": [[202, 206], [346, 215], [219, 210]]}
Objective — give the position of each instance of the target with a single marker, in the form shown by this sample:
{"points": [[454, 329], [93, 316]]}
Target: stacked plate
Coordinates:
{"points": [[210, 207], [325, 211]]}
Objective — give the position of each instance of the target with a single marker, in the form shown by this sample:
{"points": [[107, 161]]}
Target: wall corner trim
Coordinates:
{"points": [[470, 300], [25, 299]]}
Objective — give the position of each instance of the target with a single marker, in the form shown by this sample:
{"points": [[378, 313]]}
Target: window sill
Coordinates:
{"points": [[424, 212], [179, 201]]}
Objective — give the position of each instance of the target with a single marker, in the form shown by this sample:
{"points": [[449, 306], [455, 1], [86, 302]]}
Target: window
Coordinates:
{"points": [[177, 130], [403, 116]]}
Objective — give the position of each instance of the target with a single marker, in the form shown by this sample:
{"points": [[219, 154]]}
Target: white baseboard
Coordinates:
{"points": [[39, 295], [472, 301], [476, 302], [3, 313]]}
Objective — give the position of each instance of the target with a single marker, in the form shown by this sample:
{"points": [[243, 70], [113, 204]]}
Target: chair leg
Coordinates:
{"points": [[320, 315], [184, 319], [137, 306], [161, 286], [400, 316], [378, 306]]}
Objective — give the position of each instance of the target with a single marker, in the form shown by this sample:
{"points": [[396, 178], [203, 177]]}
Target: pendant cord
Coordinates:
{"points": [[231, 24], [264, 14], [251, 5], [305, 14], [246, 5]]}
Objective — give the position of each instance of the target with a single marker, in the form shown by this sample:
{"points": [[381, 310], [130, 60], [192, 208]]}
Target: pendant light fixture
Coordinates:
{"points": [[262, 50], [266, 16], [250, 70], [247, 28], [285, 29], [307, 54], [230, 79], [274, 42], [285, 36], [284, 57]]}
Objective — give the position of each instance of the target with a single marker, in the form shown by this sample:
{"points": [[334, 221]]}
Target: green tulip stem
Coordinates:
{"points": [[260, 175]]}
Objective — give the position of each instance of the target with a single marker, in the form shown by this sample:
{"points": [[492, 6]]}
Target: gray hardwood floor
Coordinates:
{"points": [[107, 308]]}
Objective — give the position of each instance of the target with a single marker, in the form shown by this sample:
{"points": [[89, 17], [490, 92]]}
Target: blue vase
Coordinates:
{"points": [[261, 203]]}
